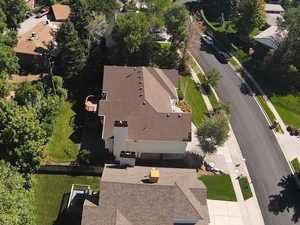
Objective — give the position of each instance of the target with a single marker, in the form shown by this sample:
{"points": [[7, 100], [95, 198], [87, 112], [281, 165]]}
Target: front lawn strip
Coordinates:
{"points": [[288, 107], [219, 187], [245, 187], [194, 98], [51, 194], [61, 147], [296, 165]]}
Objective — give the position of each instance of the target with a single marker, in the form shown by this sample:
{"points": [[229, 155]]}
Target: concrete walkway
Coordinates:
{"points": [[229, 159]]}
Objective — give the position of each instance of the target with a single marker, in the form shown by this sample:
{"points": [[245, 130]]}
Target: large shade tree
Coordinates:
{"points": [[22, 139], [176, 20], [15, 201], [131, 31]]}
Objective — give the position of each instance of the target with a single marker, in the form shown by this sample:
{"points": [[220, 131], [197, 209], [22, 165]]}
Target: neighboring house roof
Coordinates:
{"points": [[272, 18], [127, 199], [271, 37], [61, 12], [38, 45], [145, 98], [274, 8]]}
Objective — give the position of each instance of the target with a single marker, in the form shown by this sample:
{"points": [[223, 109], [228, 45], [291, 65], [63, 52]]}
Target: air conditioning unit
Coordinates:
{"points": [[127, 158]]}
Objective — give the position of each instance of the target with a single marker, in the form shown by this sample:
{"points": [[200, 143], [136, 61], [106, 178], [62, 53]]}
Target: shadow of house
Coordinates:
{"points": [[288, 199], [73, 214]]}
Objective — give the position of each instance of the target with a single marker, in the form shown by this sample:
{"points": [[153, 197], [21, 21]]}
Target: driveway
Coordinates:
{"points": [[224, 213], [264, 158]]}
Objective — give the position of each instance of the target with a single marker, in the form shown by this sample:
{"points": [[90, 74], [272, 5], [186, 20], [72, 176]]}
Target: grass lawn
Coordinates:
{"points": [[289, 108], [194, 98], [49, 191], [296, 165], [60, 147], [219, 187], [245, 187]]}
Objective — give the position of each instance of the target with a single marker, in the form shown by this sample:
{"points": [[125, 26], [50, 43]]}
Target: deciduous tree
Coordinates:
{"points": [[131, 31], [213, 132], [21, 138], [15, 201], [176, 20]]}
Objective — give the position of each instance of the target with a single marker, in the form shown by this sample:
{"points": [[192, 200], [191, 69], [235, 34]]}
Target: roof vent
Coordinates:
{"points": [[140, 88], [154, 175], [144, 103], [179, 115], [168, 115], [141, 95]]}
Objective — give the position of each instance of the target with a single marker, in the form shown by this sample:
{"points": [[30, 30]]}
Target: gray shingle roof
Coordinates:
{"points": [[126, 200], [142, 97]]}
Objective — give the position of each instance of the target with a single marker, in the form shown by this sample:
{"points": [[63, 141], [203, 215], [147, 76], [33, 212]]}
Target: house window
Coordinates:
{"points": [[103, 96]]}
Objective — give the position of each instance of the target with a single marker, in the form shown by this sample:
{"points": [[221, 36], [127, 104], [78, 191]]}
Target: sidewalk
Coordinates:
{"points": [[245, 212]]}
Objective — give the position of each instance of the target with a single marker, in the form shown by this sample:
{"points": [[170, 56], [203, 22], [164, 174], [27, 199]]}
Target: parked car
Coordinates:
{"points": [[207, 39], [43, 12], [222, 56]]}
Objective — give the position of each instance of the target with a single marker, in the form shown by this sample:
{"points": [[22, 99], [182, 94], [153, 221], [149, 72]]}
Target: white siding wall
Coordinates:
{"points": [[120, 137]]}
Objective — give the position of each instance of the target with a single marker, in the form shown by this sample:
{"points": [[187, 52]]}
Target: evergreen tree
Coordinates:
{"points": [[80, 17], [251, 16], [71, 59]]}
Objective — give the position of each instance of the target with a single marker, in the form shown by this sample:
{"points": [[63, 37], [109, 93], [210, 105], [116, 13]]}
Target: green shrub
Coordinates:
{"points": [[180, 94]]}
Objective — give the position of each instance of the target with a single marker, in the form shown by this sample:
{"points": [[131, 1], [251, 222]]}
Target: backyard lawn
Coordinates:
{"points": [[289, 109], [61, 148], [245, 187], [219, 187], [193, 97], [49, 191]]}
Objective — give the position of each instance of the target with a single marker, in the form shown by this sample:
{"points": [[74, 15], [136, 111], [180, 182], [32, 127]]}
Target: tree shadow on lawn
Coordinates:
{"points": [[287, 199]]}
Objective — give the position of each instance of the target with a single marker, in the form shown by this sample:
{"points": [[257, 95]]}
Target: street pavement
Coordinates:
{"points": [[264, 158]]}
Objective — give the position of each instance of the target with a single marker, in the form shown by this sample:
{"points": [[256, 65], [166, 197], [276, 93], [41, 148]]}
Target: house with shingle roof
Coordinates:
{"points": [[139, 112], [33, 46], [129, 197]]}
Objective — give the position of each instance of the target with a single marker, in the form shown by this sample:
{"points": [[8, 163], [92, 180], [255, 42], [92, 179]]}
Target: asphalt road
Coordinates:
{"points": [[264, 158]]}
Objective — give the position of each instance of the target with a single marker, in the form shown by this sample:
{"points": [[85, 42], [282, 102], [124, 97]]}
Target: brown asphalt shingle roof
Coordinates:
{"points": [[142, 97], [45, 35], [61, 12], [126, 200]]}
